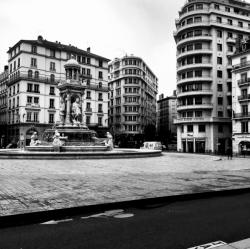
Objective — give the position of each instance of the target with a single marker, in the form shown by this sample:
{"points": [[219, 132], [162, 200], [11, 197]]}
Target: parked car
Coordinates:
{"points": [[152, 145]]}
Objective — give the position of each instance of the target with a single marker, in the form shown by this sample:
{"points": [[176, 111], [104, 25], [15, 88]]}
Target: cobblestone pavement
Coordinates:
{"points": [[37, 185]]}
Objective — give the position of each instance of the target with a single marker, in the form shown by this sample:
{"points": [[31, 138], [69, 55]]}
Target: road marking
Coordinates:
{"points": [[122, 216], [209, 245], [55, 222]]}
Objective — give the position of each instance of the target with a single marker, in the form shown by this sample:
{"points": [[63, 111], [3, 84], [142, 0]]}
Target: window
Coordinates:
{"points": [[219, 87], [243, 60], [28, 118], [88, 71], [29, 87], [88, 106], [198, 73], [220, 128], [33, 62], [17, 102], [219, 60], [52, 66], [33, 49], [219, 33], [220, 100], [199, 6], [36, 88], [52, 90], [100, 97], [244, 110], [35, 117], [240, 24], [190, 47], [100, 63], [198, 32], [18, 88], [100, 121], [182, 128], [88, 60], [230, 35], [99, 107], [52, 78], [87, 120], [189, 20], [198, 113], [36, 74], [36, 100], [52, 103], [230, 21], [30, 74], [197, 19], [230, 48], [217, 6], [190, 128], [202, 128], [100, 85], [198, 46], [18, 62], [219, 47], [218, 19], [191, 8], [100, 75], [51, 118], [244, 127], [220, 114], [219, 73], [88, 95], [227, 9], [29, 99], [198, 59], [52, 53]]}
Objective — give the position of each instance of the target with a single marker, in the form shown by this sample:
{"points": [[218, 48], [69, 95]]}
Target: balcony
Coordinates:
{"points": [[192, 120], [205, 78], [39, 79], [193, 25], [194, 52], [231, 40], [241, 65], [244, 82], [203, 37], [88, 110], [86, 76], [195, 92], [194, 65], [244, 98], [241, 115], [32, 106], [192, 107]]}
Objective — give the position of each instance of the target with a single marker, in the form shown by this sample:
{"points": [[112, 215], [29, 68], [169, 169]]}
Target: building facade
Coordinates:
{"points": [[132, 106], [241, 99], [205, 38], [36, 67], [166, 114], [3, 106]]}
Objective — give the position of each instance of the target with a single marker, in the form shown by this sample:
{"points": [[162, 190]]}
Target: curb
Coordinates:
{"points": [[42, 216]]}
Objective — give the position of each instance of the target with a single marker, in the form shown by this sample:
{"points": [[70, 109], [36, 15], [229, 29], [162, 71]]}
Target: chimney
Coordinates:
{"points": [[40, 38], [88, 49]]}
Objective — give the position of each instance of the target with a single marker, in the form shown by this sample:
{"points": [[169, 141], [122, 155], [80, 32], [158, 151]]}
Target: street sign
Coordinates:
{"points": [[209, 245]]}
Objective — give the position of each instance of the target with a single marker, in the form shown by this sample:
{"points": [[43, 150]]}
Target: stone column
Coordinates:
{"points": [[67, 121]]}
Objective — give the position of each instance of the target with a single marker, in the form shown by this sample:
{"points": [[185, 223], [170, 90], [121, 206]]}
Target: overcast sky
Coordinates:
{"points": [[112, 28]]}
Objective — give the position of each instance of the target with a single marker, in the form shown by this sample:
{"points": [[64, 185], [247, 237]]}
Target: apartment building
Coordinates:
{"points": [[205, 37], [35, 69], [132, 106], [166, 114], [241, 98]]}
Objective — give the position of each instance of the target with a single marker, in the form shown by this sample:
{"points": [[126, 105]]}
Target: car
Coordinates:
{"points": [[154, 145]]}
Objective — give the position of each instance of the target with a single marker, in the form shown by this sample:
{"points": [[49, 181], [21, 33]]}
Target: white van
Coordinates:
{"points": [[152, 146]]}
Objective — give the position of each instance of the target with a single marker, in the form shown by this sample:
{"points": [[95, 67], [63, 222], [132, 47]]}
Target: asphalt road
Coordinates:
{"points": [[163, 226]]}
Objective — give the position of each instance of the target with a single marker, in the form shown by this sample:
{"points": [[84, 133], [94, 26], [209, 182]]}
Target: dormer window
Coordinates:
{"points": [[34, 49]]}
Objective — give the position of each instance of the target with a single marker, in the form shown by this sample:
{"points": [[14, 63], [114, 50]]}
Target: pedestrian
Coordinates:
{"points": [[244, 149]]}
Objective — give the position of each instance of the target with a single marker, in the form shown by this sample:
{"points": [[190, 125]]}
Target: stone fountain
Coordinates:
{"points": [[70, 133]]}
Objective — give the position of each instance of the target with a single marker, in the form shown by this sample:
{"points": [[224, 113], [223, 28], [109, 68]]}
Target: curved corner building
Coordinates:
{"points": [[206, 33], [132, 101]]}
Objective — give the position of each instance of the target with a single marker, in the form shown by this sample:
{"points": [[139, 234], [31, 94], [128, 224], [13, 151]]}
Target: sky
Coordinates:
{"points": [[112, 28]]}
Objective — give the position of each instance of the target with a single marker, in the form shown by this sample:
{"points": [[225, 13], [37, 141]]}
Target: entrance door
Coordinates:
{"points": [[221, 146], [184, 146], [200, 146], [190, 146]]}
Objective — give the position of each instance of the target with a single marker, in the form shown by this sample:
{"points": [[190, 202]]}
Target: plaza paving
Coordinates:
{"points": [[38, 185]]}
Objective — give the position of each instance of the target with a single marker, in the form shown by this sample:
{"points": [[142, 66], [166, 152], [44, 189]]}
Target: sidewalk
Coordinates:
{"points": [[40, 185]]}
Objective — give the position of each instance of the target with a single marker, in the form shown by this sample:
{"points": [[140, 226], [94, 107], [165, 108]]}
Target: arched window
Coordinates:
{"points": [[30, 74], [36, 74], [52, 78]]}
